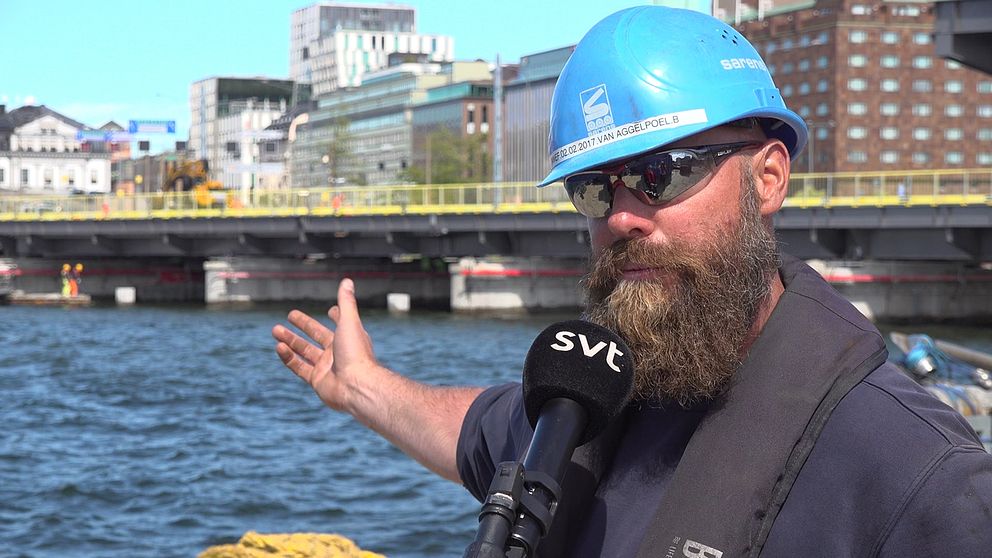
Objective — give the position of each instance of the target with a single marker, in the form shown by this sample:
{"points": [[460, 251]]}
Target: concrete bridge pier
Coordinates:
{"points": [[516, 284], [153, 279], [259, 279]]}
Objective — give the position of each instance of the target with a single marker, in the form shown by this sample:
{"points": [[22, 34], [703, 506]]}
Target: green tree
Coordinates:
{"points": [[451, 158], [337, 152]]}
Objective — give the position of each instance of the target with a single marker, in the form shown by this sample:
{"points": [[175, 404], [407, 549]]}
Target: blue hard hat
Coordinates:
{"points": [[648, 76]]}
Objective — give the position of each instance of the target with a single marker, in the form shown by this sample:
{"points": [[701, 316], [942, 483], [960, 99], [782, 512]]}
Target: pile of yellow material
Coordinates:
{"points": [[293, 545]]}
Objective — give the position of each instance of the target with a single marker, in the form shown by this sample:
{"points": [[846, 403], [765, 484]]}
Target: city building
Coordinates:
{"points": [[362, 135], [334, 45], [527, 115], [45, 152], [867, 79], [464, 110], [229, 116]]}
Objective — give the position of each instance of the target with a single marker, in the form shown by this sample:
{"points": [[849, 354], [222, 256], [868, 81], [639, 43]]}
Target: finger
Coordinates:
{"points": [[299, 345], [314, 329], [292, 361], [334, 313], [346, 302]]}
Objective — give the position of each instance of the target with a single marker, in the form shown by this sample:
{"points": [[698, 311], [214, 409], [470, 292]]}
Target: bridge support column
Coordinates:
{"points": [[516, 284], [154, 279], [892, 291], [250, 279]]}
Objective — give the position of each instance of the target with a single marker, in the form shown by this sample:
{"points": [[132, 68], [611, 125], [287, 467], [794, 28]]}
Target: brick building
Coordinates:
{"points": [[865, 76]]}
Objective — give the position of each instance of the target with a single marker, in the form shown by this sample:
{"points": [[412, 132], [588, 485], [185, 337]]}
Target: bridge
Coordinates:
{"points": [[943, 215]]}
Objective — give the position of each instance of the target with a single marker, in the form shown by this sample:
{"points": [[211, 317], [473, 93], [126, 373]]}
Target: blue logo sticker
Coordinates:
{"points": [[596, 109]]}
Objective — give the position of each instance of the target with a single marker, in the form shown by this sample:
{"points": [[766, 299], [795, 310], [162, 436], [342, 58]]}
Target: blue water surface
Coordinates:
{"points": [[155, 431]]}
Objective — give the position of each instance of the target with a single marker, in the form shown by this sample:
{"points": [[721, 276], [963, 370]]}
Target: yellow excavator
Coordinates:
{"points": [[191, 176]]}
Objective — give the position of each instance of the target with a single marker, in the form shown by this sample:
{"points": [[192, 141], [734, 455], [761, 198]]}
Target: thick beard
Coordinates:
{"points": [[687, 331]]}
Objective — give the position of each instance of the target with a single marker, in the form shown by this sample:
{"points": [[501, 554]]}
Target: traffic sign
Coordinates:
{"points": [[151, 126]]}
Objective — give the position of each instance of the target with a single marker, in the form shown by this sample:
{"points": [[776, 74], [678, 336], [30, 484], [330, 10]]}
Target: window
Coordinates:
{"points": [[47, 178], [857, 60], [860, 9], [822, 62], [857, 36], [953, 134], [786, 43], [984, 111], [2, 176], [889, 133], [922, 109], [857, 157], [922, 62], [984, 158], [24, 176], [822, 86], [952, 64], [787, 90], [857, 132], [823, 38], [485, 114], [857, 109], [921, 157], [890, 85], [93, 177], [953, 157], [822, 133], [922, 85], [72, 177], [804, 65], [857, 84], [787, 67], [908, 11], [804, 88], [889, 157], [890, 61], [822, 109], [772, 68], [985, 87], [953, 86], [921, 38], [984, 134], [804, 111], [889, 109], [804, 40], [890, 37], [770, 47], [953, 110], [922, 134]]}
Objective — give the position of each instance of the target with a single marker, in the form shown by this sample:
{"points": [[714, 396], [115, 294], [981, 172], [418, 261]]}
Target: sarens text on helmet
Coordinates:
{"points": [[566, 344]]}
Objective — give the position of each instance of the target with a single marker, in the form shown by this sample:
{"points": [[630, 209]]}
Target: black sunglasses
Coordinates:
{"points": [[656, 178]]}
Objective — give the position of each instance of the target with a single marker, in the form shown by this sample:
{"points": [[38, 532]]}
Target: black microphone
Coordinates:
{"points": [[577, 378]]}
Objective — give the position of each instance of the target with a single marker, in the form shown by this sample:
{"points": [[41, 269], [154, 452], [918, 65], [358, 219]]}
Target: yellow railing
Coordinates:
{"points": [[908, 188]]}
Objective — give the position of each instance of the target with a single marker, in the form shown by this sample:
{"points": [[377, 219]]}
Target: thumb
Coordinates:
{"points": [[346, 301]]}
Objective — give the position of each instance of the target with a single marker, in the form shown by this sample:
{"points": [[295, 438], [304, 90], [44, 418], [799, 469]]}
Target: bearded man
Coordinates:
{"points": [[765, 419]]}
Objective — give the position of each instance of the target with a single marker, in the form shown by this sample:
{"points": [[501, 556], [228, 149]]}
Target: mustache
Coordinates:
{"points": [[673, 258]]}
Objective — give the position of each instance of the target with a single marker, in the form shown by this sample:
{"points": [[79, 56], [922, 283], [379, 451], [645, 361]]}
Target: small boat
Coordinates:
{"points": [[47, 299], [958, 376]]}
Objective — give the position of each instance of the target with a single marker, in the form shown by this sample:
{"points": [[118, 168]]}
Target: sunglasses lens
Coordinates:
{"points": [[666, 176], [590, 193]]}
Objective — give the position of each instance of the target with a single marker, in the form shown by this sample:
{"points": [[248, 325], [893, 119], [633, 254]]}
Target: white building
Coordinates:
{"points": [[229, 115], [40, 154], [333, 45]]}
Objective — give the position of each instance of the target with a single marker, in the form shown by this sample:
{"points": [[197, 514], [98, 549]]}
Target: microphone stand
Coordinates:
{"points": [[523, 496]]}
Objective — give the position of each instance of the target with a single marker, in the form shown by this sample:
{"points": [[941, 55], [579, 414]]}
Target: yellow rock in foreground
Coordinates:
{"points": [[293, 545]]}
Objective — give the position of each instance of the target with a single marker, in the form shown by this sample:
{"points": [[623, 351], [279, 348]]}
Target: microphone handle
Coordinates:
{"points": [[559, 426]]}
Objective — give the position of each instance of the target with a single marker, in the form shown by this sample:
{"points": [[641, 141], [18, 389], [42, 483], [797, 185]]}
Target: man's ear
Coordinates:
{"points": [[771, 176]]}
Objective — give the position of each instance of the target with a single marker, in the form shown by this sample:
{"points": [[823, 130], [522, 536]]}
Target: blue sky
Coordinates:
{"points": [[102, 60]]}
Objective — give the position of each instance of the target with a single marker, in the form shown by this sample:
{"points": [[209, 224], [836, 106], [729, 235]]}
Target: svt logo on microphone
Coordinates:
{"points": [[566, 344]]}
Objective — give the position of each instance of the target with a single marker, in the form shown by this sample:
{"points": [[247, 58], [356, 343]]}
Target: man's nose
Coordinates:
{"points": [[630, 217]]}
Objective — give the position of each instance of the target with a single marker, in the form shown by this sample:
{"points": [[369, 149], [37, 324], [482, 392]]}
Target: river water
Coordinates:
{"points": [[160, 431]]}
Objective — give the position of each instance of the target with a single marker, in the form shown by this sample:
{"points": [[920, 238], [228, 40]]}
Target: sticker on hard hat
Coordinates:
{"points": [[596, 109], [610, 135]]}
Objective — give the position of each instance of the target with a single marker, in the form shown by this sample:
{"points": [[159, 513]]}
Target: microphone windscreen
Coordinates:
{"points": [[584, 362]]}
